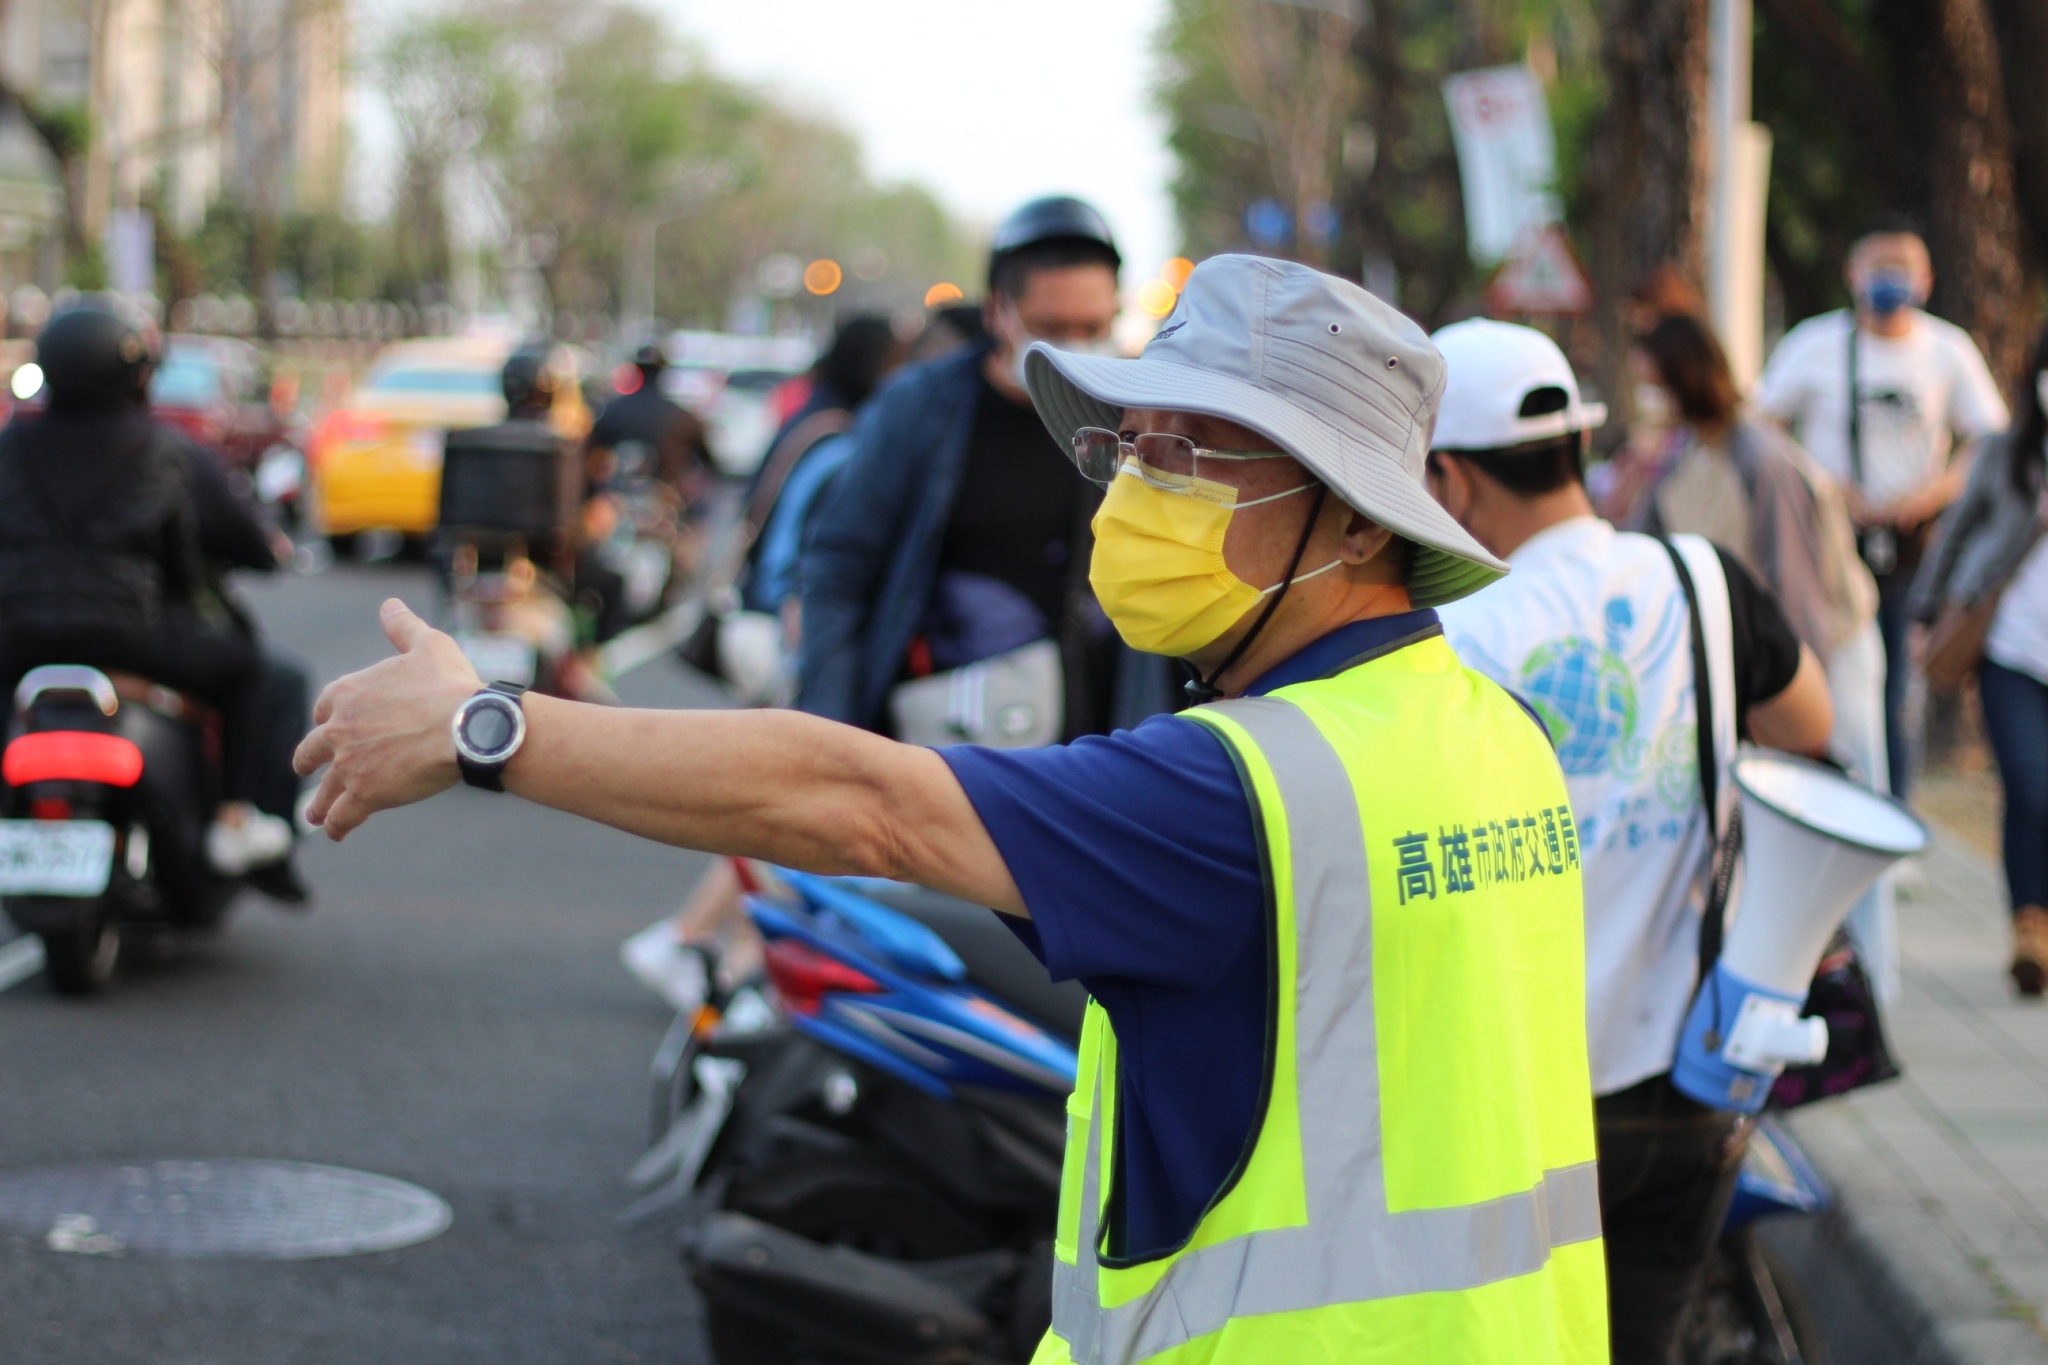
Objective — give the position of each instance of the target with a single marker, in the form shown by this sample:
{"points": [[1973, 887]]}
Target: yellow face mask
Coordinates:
{"points": [[1158, 567]]}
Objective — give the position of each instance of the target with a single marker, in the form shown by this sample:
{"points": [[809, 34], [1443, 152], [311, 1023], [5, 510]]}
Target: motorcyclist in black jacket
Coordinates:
{"points": [[109, 522]]}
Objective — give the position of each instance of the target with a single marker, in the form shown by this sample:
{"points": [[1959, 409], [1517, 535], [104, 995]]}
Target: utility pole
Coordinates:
{"points": [[1737, 194], [696, 190]]}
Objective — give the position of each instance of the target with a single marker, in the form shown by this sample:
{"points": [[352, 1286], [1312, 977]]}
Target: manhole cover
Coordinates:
{"points": [[282, 1210]]}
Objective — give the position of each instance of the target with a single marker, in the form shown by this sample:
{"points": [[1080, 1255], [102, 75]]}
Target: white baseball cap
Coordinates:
{"points": [[1333, 376], [1506, 386]]}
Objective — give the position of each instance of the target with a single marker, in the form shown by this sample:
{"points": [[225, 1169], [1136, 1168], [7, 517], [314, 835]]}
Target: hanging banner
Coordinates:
{"points": [[1507, 157]]}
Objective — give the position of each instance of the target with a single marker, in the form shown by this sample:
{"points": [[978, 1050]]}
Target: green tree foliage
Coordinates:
{"points": [[1924, 106], [570, 139], [1394, 177], [595, 131], [457, 100]]}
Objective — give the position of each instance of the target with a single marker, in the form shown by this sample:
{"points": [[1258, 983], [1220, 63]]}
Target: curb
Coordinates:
{"points": [[1888, 1277]]}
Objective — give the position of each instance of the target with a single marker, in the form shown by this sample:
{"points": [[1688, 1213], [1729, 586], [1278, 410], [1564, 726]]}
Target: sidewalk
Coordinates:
{"points": [[1937, 1250]]}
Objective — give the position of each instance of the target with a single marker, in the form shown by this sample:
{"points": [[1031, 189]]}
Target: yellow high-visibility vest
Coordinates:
{"points": [[1419, 1183]]}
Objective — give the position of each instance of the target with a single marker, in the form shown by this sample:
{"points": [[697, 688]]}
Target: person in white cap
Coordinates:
{"points": [[1332, 1099], [1599, 632]]}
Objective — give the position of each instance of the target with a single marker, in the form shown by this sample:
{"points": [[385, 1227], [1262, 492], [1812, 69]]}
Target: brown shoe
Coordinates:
{"points": [[2030, 949]]}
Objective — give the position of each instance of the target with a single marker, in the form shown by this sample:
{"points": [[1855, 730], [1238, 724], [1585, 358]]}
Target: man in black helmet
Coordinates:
{"points": [[112, 531], [646, 432], [954, 536], [517, 480]]}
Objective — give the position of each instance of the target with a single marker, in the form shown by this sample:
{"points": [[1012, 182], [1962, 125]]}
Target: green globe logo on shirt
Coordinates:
{"points": [[1585, 694]]}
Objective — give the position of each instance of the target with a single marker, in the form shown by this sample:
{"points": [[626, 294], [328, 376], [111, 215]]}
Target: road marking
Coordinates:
{"points": [[20, 960]]}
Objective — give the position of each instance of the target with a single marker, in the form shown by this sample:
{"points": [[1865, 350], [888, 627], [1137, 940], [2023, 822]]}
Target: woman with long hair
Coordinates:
{"points": [[1744, 484], [1990, 542]]}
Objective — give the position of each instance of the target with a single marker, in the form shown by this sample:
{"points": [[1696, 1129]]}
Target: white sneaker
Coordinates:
{"points": [[671, 969], [258, 840]]}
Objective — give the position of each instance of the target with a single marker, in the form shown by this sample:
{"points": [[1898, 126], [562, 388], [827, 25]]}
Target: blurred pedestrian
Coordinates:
{"points": [[1587, 610], [1617, 485], [753, 649], [951, 326], [1991, 559], [1922, 398], [955, 538], [1745, 485]]}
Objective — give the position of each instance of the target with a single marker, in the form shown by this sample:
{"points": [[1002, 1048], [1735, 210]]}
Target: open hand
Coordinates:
{"points": [[386, 733]]}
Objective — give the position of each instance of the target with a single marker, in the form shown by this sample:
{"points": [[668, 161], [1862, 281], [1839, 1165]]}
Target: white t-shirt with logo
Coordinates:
{"points": [[1920, 393], [1592, 629]]}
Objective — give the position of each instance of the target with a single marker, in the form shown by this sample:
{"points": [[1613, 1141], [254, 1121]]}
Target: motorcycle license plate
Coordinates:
{"points": [[498, 658], [55, 857]]}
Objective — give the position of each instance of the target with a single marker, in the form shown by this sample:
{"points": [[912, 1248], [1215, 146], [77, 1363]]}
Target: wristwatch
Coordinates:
{"points": [[489, 728]]}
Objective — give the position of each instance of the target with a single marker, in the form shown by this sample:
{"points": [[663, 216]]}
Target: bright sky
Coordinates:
{"points": [[987, 104]]}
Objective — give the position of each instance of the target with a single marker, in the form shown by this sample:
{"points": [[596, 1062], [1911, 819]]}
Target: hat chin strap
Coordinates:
{"points": [[1202, 690]]}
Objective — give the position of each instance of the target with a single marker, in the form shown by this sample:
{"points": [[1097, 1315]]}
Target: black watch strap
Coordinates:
{"points": [[490, 776]]}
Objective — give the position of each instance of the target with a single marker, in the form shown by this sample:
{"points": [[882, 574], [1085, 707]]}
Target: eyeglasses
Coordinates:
{"points": [[1099, 453]]}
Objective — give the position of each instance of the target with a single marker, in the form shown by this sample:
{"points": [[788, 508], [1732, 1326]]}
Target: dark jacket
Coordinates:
{"points": [[1981, 539], [109, 520], [97, 524], [872, 552]]}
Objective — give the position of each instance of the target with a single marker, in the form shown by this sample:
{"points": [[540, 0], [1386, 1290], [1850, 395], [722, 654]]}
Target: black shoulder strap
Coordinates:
{"points": [[1726, 844], [1855, 412]]}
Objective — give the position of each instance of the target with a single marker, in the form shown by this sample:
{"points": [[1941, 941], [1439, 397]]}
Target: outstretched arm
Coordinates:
{"points": [[777, 785]]}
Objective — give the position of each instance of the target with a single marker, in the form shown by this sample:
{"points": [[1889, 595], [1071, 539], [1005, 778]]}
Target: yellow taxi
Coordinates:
{"points": [[376, 460]]}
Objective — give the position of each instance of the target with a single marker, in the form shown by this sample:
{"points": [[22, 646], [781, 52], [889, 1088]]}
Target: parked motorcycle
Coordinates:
{"points": [[109, 783], [502, 545], [1749, 1310], [645, 543], [514, 622], [870, 1168]]}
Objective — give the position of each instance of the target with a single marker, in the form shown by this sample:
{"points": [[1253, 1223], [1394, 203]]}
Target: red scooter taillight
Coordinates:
{"points": [[805, 976], [73, 756]]}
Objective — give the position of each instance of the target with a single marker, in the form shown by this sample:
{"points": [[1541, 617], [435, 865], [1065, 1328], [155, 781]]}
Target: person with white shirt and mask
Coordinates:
{"points": [[1923, 399], [1595, 631]]}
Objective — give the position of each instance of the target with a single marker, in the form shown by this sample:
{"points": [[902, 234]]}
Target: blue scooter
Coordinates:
{"points": [[867, 1146]]}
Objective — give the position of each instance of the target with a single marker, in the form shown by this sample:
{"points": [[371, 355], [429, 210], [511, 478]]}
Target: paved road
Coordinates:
{"points": [[451, 1012]]}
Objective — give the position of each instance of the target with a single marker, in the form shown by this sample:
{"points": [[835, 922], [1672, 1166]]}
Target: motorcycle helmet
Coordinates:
{"points": [[528, 381], [1059, 218], [91, 357]]}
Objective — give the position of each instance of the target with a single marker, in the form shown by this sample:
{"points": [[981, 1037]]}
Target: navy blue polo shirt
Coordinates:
{"points": [[1136, 855]]}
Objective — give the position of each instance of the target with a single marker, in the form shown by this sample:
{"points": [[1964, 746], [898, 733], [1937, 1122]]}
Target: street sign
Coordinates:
{"points": [[1507, 156], [1541, 275]]}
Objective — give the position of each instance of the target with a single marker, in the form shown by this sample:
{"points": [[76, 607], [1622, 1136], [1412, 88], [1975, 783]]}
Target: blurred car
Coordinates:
{"points": [[730, 382], [217, 391], [376, 461]]}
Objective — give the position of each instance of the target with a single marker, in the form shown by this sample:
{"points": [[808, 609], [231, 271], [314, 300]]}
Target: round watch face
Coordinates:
{"points": [[488, 726]]}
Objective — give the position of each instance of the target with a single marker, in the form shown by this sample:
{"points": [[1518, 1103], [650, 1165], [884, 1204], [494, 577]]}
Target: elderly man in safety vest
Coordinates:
{"points": [[1333, 1102]]}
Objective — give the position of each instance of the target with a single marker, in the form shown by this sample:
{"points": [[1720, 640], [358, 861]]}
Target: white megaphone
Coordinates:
{"points": [[1812, 843]]}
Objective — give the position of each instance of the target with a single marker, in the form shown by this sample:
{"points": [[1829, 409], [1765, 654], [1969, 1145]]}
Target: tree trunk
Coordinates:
{"points": [[2022, 31], [1960, 170], [1648, 170]]}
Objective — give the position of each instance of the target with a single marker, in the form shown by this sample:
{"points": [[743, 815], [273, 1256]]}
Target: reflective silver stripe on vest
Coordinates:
{"points": [[1353, 1248]]}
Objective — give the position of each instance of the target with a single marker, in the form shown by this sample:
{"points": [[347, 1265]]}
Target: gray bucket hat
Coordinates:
{"points": [[1339, 380]]}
